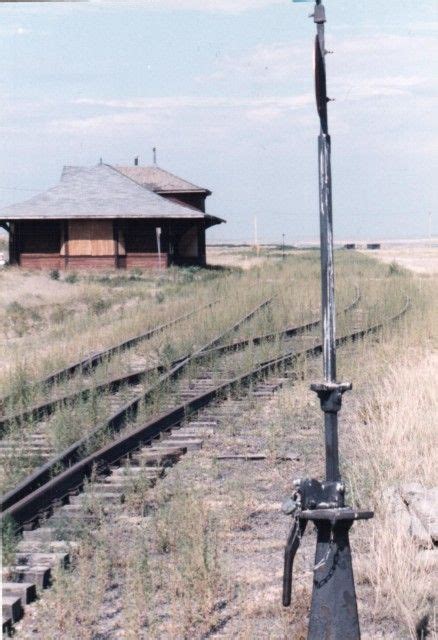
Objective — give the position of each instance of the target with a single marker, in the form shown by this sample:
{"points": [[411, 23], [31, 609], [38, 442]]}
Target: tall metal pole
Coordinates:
{"points": [[326, 242], [333, 612]]}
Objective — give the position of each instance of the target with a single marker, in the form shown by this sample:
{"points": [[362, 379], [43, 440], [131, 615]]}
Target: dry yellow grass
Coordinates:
{"points": [[397, 446]]}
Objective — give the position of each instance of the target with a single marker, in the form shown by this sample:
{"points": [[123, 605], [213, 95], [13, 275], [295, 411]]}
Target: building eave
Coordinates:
{"points": [[166, 192]]}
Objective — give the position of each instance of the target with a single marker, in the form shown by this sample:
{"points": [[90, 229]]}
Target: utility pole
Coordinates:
{"points": [[154, 154], [282, 247], [333, 612]]}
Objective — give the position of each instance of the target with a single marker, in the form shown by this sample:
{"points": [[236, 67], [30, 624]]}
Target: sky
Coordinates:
{"points": [[224, 90]]}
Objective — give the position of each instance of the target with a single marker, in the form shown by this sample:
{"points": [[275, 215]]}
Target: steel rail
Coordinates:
{"points": [[129, 410], [47, 408], [94, 359], [289, 332], [25, 509], [112, 385]]}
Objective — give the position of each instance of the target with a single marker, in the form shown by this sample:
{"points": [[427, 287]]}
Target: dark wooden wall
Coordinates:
{"points": [[106, 244], [36, 244], [196, 200], [181, 235]]}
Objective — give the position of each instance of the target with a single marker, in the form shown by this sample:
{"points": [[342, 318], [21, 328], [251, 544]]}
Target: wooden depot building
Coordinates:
{"points": [[110, 217]]}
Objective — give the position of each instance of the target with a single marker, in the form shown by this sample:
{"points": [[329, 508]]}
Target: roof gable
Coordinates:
{"points": [[159, 180]]}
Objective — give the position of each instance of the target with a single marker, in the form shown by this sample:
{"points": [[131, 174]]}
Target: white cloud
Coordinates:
{"points": [[266, 63], [364, 67], [100, 123], [14, 30], [380, 45], [202, 102], [212, 6], [424, 26], [384, 87], [156, 112]]}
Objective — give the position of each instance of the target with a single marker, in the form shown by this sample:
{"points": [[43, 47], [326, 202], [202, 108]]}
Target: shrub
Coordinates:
{"points": [[394, 269], [71, 278], [54, 274], [100, 305]]}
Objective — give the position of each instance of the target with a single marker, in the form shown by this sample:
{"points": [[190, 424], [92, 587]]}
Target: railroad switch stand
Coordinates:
{"points": [[333, 613]]}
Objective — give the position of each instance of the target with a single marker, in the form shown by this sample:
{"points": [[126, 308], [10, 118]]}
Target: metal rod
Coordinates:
{"points": [[332, 472], [327, 262], [328, 305]]}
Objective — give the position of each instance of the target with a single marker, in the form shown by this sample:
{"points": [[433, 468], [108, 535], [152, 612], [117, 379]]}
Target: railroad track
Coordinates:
{"points": [[45, 409], [112, 385], [124, 403], [92, 360], [37, 447], [134, 377], [141, 454]]}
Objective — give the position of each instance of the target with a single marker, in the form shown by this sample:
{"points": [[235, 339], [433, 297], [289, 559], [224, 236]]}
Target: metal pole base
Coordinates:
{"points": [[333, 614]]}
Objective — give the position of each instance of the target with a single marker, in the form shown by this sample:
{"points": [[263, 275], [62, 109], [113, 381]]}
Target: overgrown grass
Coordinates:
{"points": [[167, 576], [390, 441], [293, 282]]}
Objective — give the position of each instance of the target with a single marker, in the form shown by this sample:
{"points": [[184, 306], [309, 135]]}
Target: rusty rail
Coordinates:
{"points": [[93, 360], [289, 332], [27, 506], [73, 453], [112, 385]]}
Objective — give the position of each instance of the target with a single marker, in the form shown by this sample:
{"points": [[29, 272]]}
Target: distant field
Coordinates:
{"points": [[244, 257], [421, 259]]}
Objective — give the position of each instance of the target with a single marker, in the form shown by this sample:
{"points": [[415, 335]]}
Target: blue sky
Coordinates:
{"points": [[224, 90]]}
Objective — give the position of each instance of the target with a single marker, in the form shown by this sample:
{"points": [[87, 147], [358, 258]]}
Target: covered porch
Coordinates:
{"points": [[106, 244]]}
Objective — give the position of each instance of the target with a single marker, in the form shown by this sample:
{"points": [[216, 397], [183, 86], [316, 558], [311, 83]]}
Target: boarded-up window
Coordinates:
{"points": [[91, 238], [140, 237], [40, 236]]}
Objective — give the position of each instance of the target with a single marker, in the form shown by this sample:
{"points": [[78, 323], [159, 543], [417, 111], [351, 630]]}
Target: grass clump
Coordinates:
{"points": [[54, 274], [394, 269], [186, 535], [71, 278], [21, 318], [9, 540], [99, 306], [69, 610]]}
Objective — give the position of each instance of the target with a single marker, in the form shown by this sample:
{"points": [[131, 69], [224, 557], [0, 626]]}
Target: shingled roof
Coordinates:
{"points": [[99, 192], [159, 180]]}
